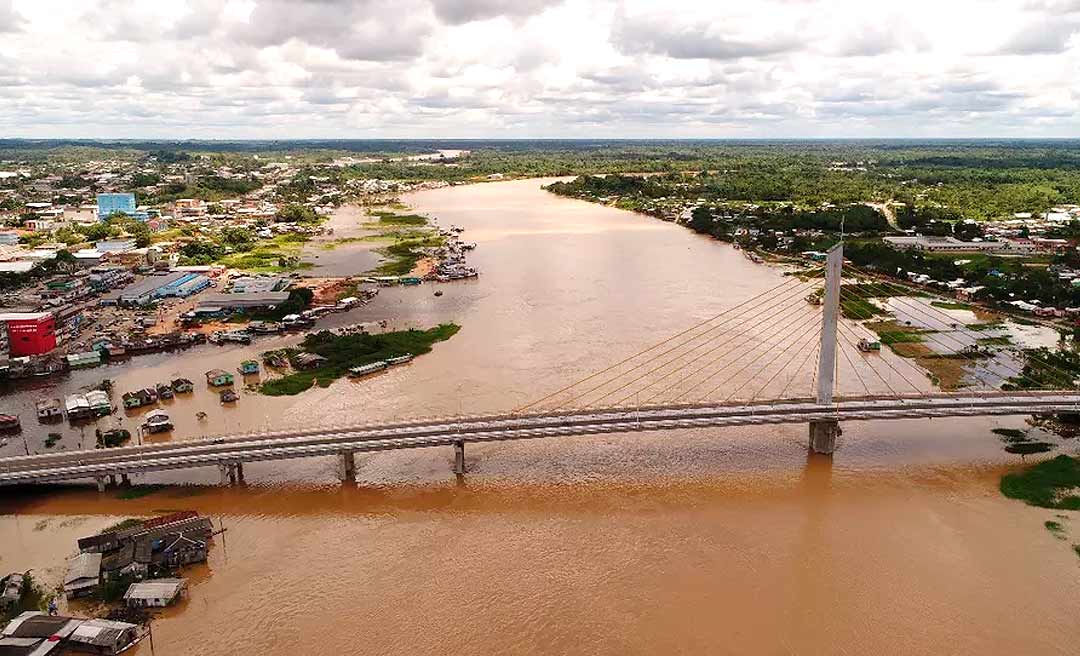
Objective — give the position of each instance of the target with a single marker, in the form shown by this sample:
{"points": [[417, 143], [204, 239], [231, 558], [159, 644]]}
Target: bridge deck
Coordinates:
{"points": [[228, 450]]}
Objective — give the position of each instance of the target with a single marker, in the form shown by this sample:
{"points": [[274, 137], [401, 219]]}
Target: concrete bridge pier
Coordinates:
{"points": [[101, 483], [228, 473], [459, 457], [125, 480], [347, 467], [240, 473], [823, 436]]}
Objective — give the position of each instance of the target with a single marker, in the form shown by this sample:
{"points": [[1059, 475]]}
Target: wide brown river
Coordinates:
{"points": [[722, 541]]}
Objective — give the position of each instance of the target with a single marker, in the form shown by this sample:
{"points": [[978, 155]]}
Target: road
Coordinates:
{"points": [[230, 450]]}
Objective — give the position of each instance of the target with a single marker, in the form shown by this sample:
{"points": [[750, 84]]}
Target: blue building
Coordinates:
{"points": [[109, 204]]}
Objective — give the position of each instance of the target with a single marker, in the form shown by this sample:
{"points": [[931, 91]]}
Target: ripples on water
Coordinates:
{"points": [[723, 541]]}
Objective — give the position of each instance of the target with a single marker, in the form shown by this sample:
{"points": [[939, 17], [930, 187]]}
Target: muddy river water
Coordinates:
{"points": [[721, 541]]}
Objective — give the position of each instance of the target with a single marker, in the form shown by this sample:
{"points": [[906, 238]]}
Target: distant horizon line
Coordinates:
{"points": [[212, 140]]}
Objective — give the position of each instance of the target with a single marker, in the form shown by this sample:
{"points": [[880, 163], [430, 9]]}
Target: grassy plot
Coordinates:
{"points": [[1053, 483], [410, 237], [282, 253], [346, 351], [950, 305]]}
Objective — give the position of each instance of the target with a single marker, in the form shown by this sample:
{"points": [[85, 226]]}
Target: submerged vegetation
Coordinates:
{"points": [[1052, 483], [342, 352]]}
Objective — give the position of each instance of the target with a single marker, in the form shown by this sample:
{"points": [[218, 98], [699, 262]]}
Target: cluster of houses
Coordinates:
{"points": [[143, 557], [150, 549]]}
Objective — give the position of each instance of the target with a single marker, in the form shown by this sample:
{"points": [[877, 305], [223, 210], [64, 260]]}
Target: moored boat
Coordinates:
{"points": [[229, 396], [367, 369], [401, 359], [9, 422]]}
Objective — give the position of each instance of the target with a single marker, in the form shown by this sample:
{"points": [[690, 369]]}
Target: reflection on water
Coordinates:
{"points": [[711, 541]]}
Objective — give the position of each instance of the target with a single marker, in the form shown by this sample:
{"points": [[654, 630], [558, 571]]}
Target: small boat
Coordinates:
{"points": [[157, 421], [368, 369], [401, 359], [438, 293], [164, 391], [248, 367], [182, 385], [869, 346], [229, 396], [49, 409], [9, 422]]}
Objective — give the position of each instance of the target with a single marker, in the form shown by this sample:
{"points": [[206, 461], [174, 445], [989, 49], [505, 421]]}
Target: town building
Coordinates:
{"points": [[9, 238], [29, 333], [109, 204], [214, 303], [83, 575], [156, 593], [179, 284]]}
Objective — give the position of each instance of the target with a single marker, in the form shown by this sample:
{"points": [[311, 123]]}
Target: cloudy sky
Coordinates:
{"points": [[539, 68]]}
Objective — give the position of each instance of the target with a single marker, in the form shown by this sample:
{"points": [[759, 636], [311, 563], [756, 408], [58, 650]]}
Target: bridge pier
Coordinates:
{"points": [[228, 473], [100, 480], [347, 467], [125, 481], [459, 457], [823, 436], [240, 473]]}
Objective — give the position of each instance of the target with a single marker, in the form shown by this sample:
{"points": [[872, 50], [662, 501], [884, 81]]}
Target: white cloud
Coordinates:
{"points": [[536, 68]]}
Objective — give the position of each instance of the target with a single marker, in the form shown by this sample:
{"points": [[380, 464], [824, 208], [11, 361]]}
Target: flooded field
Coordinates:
{"points": [[719, 541]]}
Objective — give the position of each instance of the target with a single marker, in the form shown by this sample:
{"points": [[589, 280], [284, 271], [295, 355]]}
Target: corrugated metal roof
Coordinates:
{"points": [[155, 589], [83, 566]]}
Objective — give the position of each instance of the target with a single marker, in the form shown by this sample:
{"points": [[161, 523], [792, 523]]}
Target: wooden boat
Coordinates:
{"points": [[9, 422], [164, 391], [249, 367], [229, 396]]}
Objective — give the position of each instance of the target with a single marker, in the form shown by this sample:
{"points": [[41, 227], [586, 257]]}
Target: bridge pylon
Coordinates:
{"points": [[823, 433]]}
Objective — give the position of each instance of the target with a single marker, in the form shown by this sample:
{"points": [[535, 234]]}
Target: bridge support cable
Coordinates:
{"points": [[934, 313], [810, 324], [812, 353], [777, 334], [854, 369], [802, 342], [958, 345], [939, 315], [851, 333], [615, 380], [958, 355], [955, 353], [774, 318], [744, 304]]}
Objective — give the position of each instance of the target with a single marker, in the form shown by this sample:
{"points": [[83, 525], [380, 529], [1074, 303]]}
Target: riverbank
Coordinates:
{"points": [[898, 544]]}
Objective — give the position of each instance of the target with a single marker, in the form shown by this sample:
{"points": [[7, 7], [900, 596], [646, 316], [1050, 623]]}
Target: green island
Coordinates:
{"points": [[1053, 483], [342, 352]]}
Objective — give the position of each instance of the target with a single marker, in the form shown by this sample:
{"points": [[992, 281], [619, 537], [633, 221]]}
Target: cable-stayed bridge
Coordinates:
{"points": [[800, 352]]}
